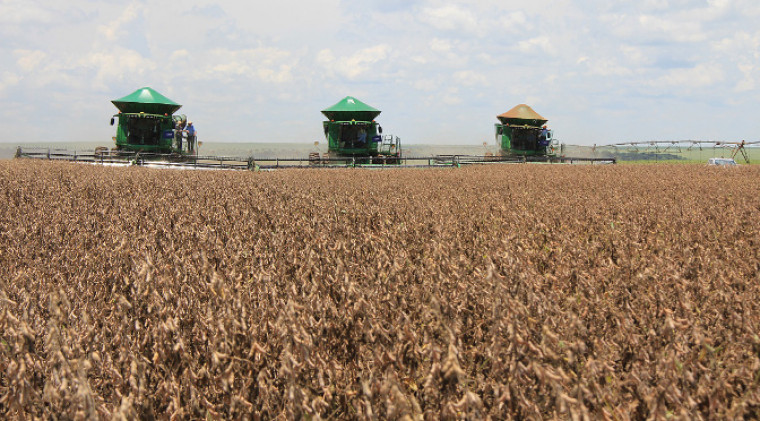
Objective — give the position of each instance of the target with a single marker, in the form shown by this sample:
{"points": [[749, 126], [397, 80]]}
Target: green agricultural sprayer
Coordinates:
{"points": [[523, 132], [352, 132], [147, 123]]}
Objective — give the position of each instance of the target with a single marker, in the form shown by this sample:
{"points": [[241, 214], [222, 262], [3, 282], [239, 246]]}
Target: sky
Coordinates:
{"points": [[601, 71]]}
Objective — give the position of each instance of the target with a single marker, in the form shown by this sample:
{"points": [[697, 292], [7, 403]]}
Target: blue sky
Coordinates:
{"points": [[601, 71]]}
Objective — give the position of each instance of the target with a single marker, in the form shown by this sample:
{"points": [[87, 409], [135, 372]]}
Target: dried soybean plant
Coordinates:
{"points": [[502, 292]]}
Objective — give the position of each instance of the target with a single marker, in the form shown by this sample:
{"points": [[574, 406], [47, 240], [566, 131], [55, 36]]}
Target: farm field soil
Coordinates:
{"points": [[503, 292]]}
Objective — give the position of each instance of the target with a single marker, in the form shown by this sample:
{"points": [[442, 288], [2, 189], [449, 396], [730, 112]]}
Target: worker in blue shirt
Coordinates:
{"points": [[543, 137], [190, 130]]}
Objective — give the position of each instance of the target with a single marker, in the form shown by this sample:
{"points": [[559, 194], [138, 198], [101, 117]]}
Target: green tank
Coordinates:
{"points": [[147, 123], [351, 131], [523, 132]]}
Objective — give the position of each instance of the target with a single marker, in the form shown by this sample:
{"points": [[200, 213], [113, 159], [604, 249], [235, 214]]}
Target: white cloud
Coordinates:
{"points": [[750, 74], [674, 30], [661, 28], [606, 67], [29, 60], [270, 65], [635, 56], [699, 76], [427, 85], [116, 65], [740, 44], [113, 30], [180, 54], [440, 45], [451, 18], [281, 18], [743, 50], [470, 78], [355, 65], [451, 98], [541, 44], [24, 12], [515, 21], [8, 79]]}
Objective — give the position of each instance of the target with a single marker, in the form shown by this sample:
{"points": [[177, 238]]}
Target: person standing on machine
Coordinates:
{"points": [[543, 137], [190, 130], [179, 128]]}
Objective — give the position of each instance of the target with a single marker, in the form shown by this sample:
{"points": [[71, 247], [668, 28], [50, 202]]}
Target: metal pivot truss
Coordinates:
{"points": [[679, 146]]}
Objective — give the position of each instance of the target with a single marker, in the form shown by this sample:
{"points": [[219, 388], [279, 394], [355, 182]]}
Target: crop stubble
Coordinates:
{"points": [[520, 291]]}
